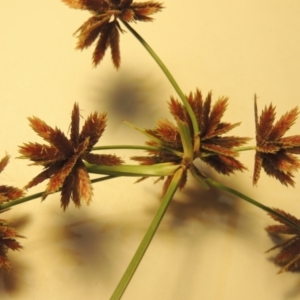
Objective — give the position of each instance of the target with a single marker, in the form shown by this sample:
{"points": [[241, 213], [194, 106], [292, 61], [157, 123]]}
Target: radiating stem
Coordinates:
{"points": [[135, 147], [173, 83], [123, 147], [120, 289], [156, 140], [161, 169], [39, 195], [20, 200], [245, 148], [237, 149], [252, 201]]}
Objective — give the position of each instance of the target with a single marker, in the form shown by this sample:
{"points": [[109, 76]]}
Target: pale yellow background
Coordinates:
{"points": [[210, 245]]}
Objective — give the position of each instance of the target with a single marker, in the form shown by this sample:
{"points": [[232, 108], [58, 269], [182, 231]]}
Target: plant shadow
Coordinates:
{"points": [[206, 206], [90, 245], [209, 207], [82, 242], [129, 95]]}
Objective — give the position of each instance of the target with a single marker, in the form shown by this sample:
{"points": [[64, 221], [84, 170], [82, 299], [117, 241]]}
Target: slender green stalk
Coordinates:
{"points": [[135, 147], [252, 201], [172, 81], [155, 139], [103, 178], [39, 195], [237, 149], [130, 147], [20, 200], [245, 148], [162, 169], [120, 289], [198, 176], [185, 136]]}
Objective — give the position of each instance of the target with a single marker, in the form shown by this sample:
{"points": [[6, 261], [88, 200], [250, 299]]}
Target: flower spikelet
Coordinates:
{"points": [[8, 241], [63, 158], [7, 233], [104, 27], [274, 152], [8, 193], [215, 149], [289, 256]]}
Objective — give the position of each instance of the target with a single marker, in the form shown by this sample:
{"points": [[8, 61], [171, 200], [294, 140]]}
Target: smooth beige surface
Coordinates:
{"points": [[210, 245]]}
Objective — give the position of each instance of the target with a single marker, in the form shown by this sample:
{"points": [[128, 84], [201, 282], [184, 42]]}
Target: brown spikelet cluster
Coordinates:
{"points": [[8, 241], [8, 193], [215, 149], [275, 153], [167, 139], [289, 256], [104, 25], [63, 158], [7, 233]]}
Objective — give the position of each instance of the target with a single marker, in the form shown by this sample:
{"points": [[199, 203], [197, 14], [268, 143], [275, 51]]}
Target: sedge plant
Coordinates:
{"points": [[197, 132]]}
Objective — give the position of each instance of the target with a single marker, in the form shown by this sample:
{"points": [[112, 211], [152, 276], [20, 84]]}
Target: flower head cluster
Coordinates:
{"points": [[215, 149], [289, 256], [63, 158], [275, 153], [7, 233], [104, 23], [8, 193], [7, 241]]}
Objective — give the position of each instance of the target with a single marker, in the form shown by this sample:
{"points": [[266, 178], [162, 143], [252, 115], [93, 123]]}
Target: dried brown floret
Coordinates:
{"points": [[104, 25], [63, 158], [289, 256], [7, 233], [215, 149], [7, 242], [8, 193], [275, 153]]}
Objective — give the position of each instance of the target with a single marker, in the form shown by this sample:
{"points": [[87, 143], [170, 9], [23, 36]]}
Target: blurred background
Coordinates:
{"points": [[210, 245]]}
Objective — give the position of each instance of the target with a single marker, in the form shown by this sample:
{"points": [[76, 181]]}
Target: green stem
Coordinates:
{"points": [[147, 148], [20, 200], [156, 140], [237, 149], [161, 169], [245, 148], [130, 147], [171, 79], [120, 289], [185, 136], [252, 201], [39, 195]]}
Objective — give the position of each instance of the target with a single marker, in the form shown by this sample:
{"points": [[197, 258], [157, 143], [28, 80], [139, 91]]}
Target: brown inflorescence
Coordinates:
{"points": [[63, 158], [104, 25], [7, 233], [275, 153], [215, 149], [289, 256]]}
